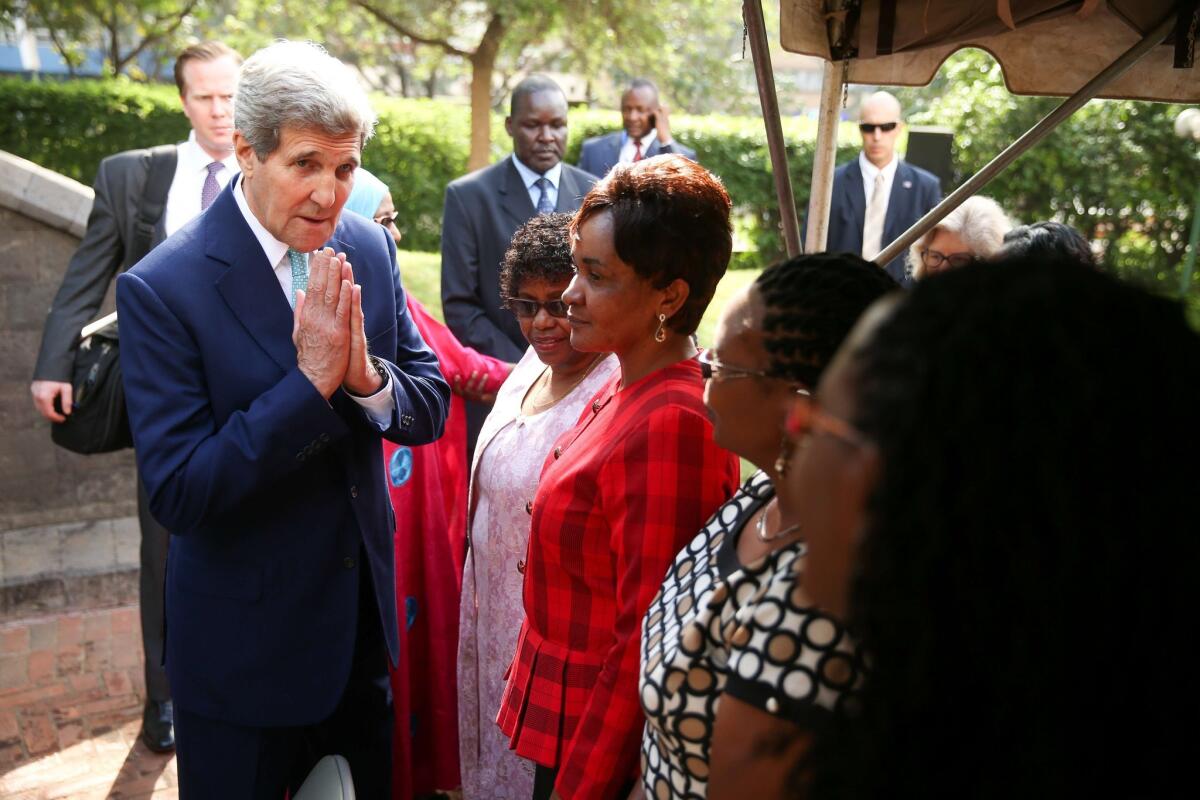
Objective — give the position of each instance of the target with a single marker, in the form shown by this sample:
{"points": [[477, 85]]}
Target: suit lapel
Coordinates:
{"points": [[570, 192], [514, 197], [249, 286], [899, 202], [855, 199]]}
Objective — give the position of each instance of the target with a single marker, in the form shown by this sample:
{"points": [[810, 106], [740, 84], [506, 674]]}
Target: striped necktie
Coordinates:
{"points": [[299, 262]]}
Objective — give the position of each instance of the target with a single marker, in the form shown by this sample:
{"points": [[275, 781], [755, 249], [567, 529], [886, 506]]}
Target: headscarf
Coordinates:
{"points": [[366, 195]]}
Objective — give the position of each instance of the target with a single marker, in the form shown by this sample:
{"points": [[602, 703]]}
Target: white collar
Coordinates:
{"points": [[192, 157], [646, 140], [274, 249], [529, 177], [869, 170]]}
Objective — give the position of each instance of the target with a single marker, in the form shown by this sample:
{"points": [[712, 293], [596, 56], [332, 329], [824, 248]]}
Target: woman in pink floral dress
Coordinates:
{"points": [[543, 397]]}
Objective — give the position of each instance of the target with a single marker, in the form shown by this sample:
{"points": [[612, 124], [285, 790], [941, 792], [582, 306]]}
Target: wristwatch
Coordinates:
{"points": [[380, 370]]}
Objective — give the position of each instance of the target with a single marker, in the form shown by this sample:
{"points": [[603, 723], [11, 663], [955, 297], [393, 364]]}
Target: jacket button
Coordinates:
{"points": [[557, 452], [521, 567], [354, 491], [595, 406], [348, 562], [529, 507]]}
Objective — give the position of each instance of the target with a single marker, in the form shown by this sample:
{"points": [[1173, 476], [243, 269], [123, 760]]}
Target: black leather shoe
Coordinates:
{"points": [[158, 728]]}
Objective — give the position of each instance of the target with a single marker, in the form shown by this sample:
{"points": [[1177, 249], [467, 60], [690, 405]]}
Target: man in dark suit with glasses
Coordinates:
{"points": [[878, 196]]}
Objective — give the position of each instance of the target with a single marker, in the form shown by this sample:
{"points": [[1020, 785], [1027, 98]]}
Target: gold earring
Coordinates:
{"points": [[786, 448], [660, 335]]}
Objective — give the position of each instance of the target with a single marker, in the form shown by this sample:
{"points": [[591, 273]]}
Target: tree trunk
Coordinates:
{"points": [[406, 79], [483, 64], [431, 83]]}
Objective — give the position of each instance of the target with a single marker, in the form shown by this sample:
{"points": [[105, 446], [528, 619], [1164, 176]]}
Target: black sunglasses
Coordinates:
{"points": [[388, 219], [527, 309], [886, 127]]}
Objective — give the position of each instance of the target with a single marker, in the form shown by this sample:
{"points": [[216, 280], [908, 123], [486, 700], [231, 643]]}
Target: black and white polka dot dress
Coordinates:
{"points": [[719, 627]]}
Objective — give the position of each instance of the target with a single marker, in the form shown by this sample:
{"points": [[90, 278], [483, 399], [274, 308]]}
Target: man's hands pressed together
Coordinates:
{"points": [[329, 330]]}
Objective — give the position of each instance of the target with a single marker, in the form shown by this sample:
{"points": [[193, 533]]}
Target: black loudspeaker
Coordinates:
{"points": [[929, 149]]}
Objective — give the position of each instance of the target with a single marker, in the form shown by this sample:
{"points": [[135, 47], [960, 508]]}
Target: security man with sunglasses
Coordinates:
{"points": [[877, 196]]}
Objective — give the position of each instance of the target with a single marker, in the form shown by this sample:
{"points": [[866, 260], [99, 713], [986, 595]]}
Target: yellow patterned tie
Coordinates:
{"points": [[873, 227]]}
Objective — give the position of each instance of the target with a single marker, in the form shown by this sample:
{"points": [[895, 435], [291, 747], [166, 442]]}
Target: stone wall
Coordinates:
{"points": [[68, 530]]}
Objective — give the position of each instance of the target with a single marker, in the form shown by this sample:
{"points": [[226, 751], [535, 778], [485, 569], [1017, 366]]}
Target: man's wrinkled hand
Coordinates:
{"points": [[361, 378], [321, 328], [46, 392]]}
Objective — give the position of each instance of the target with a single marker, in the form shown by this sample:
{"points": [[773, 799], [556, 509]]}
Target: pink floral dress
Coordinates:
{"points": [[508, 460]]}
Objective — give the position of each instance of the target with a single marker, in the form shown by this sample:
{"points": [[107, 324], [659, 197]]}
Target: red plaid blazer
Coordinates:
{"points": [[621, 493]]}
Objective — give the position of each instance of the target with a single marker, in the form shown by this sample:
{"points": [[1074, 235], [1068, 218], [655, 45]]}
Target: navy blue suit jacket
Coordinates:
{"points": [[270, 492], [914, 192], [601, 153]]}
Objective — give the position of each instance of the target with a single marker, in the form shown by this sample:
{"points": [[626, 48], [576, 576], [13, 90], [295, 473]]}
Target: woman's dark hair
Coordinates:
{"points": [[811, 303], [1047, 239], [540, 250], [1026, 582], [670, 220]]}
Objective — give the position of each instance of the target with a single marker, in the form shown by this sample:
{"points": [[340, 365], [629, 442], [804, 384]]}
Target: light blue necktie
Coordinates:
{"points": [[299, 263], [544, 205]]}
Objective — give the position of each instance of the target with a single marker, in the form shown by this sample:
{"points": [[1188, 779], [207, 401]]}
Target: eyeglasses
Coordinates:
{"points": [[528, 309], [808, 417], [934, 260], [387, 220], [886, 127], [711, 368]]}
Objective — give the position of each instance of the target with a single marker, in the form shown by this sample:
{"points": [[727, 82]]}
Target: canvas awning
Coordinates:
{"points": [[1126, 49], [1045, 47]]}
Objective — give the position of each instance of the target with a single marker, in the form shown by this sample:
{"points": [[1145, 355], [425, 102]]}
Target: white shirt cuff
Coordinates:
{"points": [[378, 407]]}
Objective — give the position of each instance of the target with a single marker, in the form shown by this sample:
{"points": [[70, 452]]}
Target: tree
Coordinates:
{"points": [[588, 36], [1114, 170], [124, 30]]}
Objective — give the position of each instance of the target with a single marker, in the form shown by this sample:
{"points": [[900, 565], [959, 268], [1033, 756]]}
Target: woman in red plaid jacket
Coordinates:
{"points": [[629, 485]]}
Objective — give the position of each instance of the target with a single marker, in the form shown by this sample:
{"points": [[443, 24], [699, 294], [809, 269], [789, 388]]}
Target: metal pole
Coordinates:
{"points": [[756, 28], [824, 157], [1189, 263], [1029, 139]]}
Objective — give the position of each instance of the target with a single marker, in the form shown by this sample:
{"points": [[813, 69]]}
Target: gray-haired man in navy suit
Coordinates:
{"points": [[877, 196]]}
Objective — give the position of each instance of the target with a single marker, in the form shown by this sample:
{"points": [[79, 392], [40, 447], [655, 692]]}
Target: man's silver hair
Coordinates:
{"points": [[979, 222], [298, 85]]}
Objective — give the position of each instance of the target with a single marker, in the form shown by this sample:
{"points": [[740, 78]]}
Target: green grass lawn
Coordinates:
{"points": [[421, 273]]}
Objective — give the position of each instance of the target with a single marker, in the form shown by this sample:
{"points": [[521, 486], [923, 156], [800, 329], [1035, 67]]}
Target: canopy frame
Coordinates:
{"points": [[832, 88]]}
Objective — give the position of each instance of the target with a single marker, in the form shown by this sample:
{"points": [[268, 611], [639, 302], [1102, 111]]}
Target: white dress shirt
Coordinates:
{"points": [[629, 146], [530, 179], [378, 407], [191, 168], [869, 171]]}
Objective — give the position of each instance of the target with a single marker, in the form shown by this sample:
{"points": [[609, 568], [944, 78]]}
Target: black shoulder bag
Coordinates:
{"points": [[98, 422]]}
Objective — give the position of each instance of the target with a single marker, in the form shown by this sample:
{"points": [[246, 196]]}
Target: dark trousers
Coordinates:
{"points": [[544, 778], [150, 596], [224, 761], [543, 781]]}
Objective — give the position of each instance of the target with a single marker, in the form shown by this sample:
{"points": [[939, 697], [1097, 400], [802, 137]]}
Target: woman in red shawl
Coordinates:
{"points": [[428, 488]]}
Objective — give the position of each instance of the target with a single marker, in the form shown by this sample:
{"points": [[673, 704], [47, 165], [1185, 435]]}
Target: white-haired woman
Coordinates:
{"points": [[972, 231]]}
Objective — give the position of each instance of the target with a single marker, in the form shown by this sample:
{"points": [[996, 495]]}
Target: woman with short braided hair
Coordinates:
{"points": [[732, 654]]}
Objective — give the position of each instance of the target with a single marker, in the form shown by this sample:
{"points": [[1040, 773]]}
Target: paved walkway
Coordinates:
{"points": [[71, 692]]}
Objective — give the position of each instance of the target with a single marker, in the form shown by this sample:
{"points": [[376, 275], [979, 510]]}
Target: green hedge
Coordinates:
{"points": [[420, 146]]}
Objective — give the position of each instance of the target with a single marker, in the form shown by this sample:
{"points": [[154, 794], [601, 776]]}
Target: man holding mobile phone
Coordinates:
{"points": [[646, 124], [877, 196]]}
